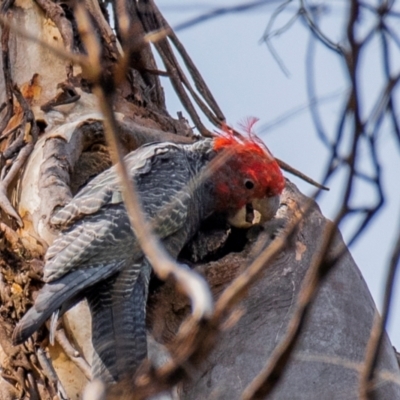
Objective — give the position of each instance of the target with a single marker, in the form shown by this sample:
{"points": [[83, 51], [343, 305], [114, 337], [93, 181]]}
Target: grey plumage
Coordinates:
{"points": [[119, 330], [97, 255]]}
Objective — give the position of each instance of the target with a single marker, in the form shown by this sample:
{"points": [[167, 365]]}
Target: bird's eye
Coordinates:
{"points": [[249, 184]]}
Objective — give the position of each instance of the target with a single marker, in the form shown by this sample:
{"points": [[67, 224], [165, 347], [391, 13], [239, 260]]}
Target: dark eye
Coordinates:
{"points": [[249, 184]]}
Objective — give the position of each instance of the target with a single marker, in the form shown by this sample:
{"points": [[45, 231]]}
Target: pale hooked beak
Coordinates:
{"points": [[256, 212]]}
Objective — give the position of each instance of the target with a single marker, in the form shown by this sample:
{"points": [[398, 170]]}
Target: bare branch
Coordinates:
{"points": [[194, 72], [72, 353], [219, 12], [267, 34], [194, 286], [317, 31], [378, 329], [286, 167]]}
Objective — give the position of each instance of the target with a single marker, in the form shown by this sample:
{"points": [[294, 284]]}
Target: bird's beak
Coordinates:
{"points": [[256, 212]]}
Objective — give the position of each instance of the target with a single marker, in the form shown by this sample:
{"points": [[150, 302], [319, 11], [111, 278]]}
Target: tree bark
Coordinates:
{"points": [[328, 358]]}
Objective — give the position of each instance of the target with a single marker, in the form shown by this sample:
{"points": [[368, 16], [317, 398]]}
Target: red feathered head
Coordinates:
{"points": [[250, 171]]}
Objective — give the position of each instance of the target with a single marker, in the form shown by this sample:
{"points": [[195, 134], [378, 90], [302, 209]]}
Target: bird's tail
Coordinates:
{"points": [[118, 308], [57, 294]]}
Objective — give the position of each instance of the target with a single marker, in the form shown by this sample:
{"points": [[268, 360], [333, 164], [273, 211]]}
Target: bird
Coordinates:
{"points": [[97, 256]]}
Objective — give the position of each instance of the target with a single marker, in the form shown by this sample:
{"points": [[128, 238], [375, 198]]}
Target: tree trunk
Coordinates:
{"points": [[329, 355], [52, 142]]}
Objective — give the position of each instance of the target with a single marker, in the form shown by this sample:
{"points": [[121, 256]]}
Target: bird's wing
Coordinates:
{"points": [[101, 229], [98, 239], [105, 188], [52, 296]]}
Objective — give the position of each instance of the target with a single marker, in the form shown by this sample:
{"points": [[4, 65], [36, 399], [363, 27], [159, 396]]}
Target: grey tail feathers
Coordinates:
{"points": [[118, 309], [55, 294]]}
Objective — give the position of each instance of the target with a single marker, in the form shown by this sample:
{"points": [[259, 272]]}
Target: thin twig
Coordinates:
{"points": [[317, 31], [378, 329], [165, 52], [218, 12], [49, 371], [154, 21], [288, 115], [266, 380], [310, 79], [266, 35], [194, 72], [286, 167], [193, 285], [72, 353]]}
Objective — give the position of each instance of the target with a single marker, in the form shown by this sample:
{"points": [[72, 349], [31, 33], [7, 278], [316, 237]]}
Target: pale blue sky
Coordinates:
{"points": [[246, 81]]}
